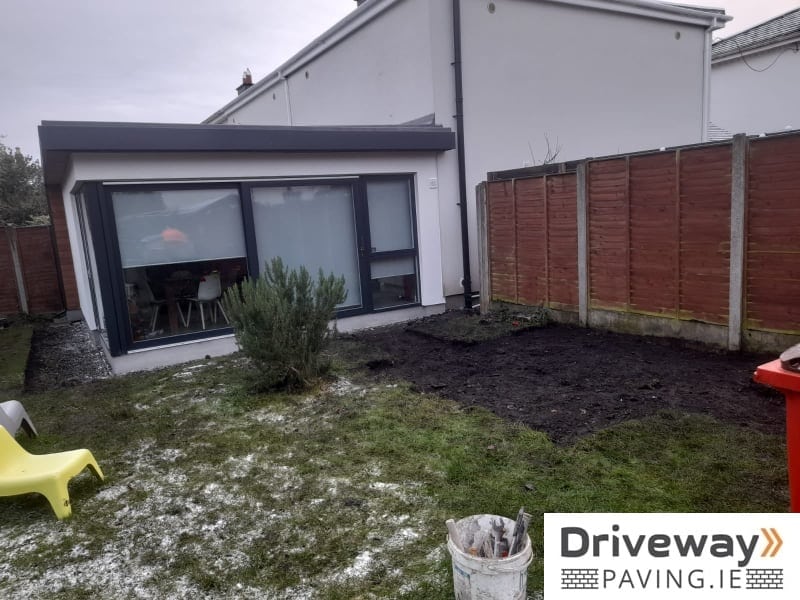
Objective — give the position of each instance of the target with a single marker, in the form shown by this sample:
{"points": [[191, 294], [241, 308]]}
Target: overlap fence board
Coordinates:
{"points": [[531, 218], [502, 240], [533, 241], [562, 241], [39, 270], [705, 236], [705, 233], [608, 233], [773, 235], [653, 224]]}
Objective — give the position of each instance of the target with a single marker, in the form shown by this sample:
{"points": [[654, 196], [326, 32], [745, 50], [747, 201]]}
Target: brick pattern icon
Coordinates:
{"points": [[580, 579], [764, 579]]}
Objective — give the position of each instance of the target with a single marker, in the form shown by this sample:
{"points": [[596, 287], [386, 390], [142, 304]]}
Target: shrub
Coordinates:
{"points": [[281, 322]]}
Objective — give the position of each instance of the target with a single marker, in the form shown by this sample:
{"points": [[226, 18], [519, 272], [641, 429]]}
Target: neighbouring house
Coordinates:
{"points": [[755, 82], [360, 156]]}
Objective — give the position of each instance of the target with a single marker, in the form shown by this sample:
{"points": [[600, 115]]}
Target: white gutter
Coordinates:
{"points": [[655, 10]]}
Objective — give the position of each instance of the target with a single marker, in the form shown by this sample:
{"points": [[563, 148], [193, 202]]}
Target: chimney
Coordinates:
{"points": [[247, 82]]}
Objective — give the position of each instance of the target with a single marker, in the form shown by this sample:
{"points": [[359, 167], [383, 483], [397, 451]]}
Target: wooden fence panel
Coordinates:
{"points": [[654, 234], [39, 270], [659, 236], [705, 233], [562, 242], [608, 233], [773, 235], [502, 241], [531, 217]]}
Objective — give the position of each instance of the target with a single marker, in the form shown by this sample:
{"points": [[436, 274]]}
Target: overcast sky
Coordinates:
{"points": [[172, 61]]}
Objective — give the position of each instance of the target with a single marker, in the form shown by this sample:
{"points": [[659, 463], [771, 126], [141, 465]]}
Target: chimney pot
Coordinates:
{"points": [[247, 82]]}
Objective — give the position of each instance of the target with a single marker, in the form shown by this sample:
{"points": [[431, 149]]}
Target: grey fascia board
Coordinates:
{"points": [[60, 138]]}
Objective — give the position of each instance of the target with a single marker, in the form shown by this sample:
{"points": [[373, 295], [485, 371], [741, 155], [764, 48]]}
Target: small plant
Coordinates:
{"points": [[281, 322]]}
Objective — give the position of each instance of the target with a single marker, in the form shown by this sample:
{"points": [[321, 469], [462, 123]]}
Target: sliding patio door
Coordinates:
{"points": [[361, 229], [310, 225]]}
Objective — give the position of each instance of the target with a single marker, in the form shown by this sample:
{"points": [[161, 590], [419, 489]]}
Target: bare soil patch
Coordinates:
{"points": [[570, 381]]}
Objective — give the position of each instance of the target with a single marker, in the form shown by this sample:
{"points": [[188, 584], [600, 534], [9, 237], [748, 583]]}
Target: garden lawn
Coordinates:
{"points": [[339, 492]]}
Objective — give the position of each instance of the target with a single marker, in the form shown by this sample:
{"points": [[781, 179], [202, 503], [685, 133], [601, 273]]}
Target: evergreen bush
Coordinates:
{"points": [[281, 322]]}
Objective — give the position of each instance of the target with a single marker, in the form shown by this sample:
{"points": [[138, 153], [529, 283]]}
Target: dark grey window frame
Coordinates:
{"points": [[110, 278]]}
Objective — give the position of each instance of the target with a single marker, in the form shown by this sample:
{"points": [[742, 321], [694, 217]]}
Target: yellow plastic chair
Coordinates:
{"points": [[46, 474]]}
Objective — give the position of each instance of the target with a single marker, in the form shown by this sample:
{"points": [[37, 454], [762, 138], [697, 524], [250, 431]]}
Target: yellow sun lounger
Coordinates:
{"points": [[46, 474]]}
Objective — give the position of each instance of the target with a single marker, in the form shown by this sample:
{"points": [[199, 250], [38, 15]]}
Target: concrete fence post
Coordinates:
{"points": [[583, 245], [11, 234], [483, 246], [738, 208]]}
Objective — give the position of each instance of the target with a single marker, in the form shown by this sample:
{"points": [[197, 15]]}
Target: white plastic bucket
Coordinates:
{"points": [[476, 578]]}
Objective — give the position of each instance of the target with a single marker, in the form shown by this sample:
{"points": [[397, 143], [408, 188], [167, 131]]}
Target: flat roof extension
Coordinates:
{"points": [[59, 139]]}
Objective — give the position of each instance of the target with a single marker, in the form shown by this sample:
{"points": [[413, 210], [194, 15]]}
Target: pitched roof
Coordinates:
{"points": [[783, 28]]}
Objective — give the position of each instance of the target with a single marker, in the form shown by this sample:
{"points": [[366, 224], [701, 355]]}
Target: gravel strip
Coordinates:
{"points": [[64, 354]]}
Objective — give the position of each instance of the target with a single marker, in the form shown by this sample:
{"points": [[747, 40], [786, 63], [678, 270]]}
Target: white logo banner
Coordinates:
{"points": [[594, 556]]}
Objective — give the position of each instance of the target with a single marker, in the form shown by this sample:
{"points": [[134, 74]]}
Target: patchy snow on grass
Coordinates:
{"points": [[169, 508], [361, 567], [345, 387], [266, 415], [239, 467]]}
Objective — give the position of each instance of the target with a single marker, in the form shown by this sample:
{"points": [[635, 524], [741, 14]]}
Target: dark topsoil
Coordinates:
{"points": [[565, 381], [570, 381]]}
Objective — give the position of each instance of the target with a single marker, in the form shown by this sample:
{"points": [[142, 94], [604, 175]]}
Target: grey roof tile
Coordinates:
{"points": [[783, 27]]}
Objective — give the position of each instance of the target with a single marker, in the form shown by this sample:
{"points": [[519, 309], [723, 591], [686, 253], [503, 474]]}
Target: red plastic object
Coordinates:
{"points": [[788, 383]]}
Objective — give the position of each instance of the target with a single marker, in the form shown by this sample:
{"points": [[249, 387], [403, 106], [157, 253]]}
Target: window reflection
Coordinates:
{"points": [[180, 251]]}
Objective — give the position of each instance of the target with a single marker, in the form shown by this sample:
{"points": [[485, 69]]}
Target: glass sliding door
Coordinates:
{"points": [[180, 249], [363, 230], [312, 226], [393, 247]]}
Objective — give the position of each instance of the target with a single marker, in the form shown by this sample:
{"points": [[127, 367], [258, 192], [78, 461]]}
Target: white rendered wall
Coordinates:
{"points": [[268, 109], [380, 74], [395, 69], [78, 256], [594, 82], [747, 101], [152, 168]]}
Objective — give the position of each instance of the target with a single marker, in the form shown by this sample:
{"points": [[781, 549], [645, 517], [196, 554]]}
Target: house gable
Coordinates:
{"points": [[274, 88]]}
